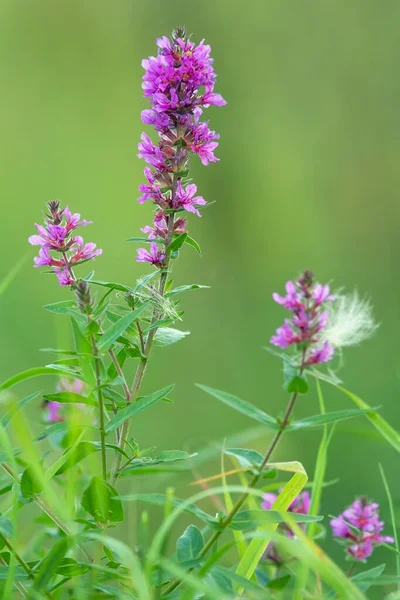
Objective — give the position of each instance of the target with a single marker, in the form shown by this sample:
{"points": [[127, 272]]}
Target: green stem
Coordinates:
{"points": [[43, 506], [101, 408], [20, 587], [23, 564], [142, 366], [253, 482]]}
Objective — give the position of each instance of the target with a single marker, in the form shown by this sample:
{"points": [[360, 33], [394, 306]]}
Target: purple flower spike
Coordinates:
{"points": [[55, 236], [360, 526], [179, 84], [306, 300]]}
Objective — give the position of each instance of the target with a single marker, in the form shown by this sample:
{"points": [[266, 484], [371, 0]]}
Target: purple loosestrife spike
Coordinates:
{"points": [[306, 300], [56, 236], [179, 84], [360, 527]]}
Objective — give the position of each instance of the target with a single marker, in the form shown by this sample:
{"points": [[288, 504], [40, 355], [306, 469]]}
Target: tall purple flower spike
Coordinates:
{"points": [[179, 84], [306, 300], [360, 527]]}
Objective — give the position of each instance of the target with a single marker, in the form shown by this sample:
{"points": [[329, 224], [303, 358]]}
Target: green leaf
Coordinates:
{"points": [[84, 350], [186, 288], [161, 499], [297, 385], [64, 458], [245, 457], [366, 579], [189, 240], [66, 307], [99, 500], [241, 406], [71, 568], [177, 243], [35, 372], [167, 336], [145, 465], [250, 519], [112, 334], [144, 240], [387, 432], [70, 398], [80, 452], [190, 544], [332, 417], [115, 286], [29, 483], [136, 407], [279, 583], [6, 418], [6, 527], [48, 567]]}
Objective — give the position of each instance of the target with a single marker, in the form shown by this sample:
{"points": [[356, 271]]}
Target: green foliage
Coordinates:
{"points": [[241, 406], [190, 544], [133, 409], [99, 500]]}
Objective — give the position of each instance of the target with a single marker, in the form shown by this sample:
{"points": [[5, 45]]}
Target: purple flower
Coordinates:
{"points": [[160, 226], [155, 256], [53, 412], [320, 355], [56, 236], [186, 199], [64, 276], [306, 300], [360, 526], [179, 84], [150, 153]]}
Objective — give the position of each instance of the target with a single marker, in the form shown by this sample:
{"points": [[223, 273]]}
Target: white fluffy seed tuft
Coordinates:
{"points": [[350, 322]]}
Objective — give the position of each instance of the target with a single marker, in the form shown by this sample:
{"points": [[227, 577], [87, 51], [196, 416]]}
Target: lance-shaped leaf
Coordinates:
{"points": [[112, 334], [241, 406], [137, 407], [70, 398], [161, 499], [35, 372], [250, 519], [331, 417]]}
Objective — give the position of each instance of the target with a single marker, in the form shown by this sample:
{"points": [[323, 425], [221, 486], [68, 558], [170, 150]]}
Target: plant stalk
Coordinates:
{"points": [[253, 482], [142, 366]]}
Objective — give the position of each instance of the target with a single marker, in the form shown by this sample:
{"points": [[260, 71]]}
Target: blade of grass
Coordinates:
{"points": [[393, 519], [257, 546], [316, 491]]}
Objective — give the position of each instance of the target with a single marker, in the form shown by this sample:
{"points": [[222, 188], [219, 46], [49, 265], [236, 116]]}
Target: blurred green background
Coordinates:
{"points": [[308, 177]]}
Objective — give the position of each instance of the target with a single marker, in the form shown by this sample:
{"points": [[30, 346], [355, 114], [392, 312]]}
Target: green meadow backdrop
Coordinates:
{"points": [[308, 177]]}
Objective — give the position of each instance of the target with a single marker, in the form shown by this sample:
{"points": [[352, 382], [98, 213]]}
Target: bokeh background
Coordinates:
{"points": [[308, 177]]}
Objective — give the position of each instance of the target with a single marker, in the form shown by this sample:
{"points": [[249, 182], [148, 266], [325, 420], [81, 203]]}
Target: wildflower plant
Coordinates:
{"points": [[263, 538]]}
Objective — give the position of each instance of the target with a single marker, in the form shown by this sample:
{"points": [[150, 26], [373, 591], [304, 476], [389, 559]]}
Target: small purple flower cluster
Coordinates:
{"points": [[306, 300], [56, 236], [179, 83], [360, 527], [300, 505]]}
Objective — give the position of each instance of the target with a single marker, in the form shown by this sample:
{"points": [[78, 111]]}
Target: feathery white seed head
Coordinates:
{"points": [[350, 322]]}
